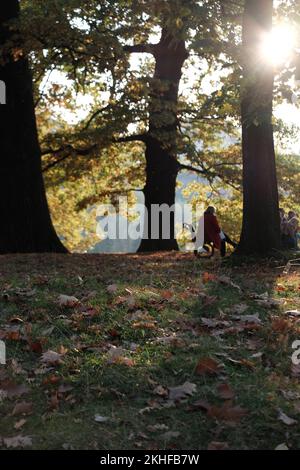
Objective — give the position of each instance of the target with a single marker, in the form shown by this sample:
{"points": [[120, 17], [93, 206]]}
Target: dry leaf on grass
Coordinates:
{"points": [[167, 294], [142, 325], [228, 282], [212, 323], [161, 391], [182, 391], [240, 308], [282, 447], [13, 390], [19, 424], [23, 408], [101, 419], [286, 419], [207, 366], [208, 277], [225, 391], [173, 340], [112, 288], [51, 358], [118, 356], [295, 370], [67, 301], [17, 441], [292, 313], [248, 318], [226, 412]]}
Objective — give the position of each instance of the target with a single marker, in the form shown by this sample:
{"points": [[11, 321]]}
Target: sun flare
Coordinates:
{"points": [[278, 45]]}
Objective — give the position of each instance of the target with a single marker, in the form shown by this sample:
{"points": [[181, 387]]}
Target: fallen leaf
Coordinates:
{"points": [[14, 390], [232, 414], [19, 424], [51, 357], [282, 447], [144, 325], [228, 282], [240, 308], [18, 441], [292, 313], [23, 408], [101, 419], [112, 288], [207, 366], [207, 277], [36, 347], [117, 356], [161, 391], [167, 294], [295, 370], [286, 419], [248, 318], [67, 301], [225, 391], [182, 391]]}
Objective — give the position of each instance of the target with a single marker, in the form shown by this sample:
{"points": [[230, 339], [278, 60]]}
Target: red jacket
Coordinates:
{"points": [[212, 230]]}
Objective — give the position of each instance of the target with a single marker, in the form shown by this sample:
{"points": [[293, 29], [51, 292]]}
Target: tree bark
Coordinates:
{"points": [[161, 162], [261, 226], [26, 225]]}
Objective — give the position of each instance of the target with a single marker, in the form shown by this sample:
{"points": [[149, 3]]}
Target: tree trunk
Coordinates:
{"points": [[261, 226], [161, 163], [25, 220]]}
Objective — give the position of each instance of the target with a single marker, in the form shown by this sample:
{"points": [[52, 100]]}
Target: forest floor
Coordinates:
{"points": [[159, 352]]}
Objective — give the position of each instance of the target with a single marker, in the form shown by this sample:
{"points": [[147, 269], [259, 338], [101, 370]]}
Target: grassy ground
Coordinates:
{"points": [[103, 374]]}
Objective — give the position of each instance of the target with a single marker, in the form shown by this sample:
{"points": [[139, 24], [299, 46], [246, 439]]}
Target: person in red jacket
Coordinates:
{"points": [[213, 233], [212, 229]]}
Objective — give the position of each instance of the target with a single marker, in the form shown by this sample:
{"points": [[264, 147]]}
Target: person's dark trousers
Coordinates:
{"points": [[228, 240], [223, 248]]}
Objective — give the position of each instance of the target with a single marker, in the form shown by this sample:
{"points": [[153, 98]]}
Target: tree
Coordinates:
{"points": [[161, 154], [26, 224], [260, 230]]}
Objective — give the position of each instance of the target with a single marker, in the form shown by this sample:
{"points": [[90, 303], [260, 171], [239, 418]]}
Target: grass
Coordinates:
{"points": [[153, 297]]}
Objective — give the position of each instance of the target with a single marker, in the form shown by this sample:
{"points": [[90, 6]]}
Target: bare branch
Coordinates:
{"points": [[192, 168], [132, 138], [138, 48]]}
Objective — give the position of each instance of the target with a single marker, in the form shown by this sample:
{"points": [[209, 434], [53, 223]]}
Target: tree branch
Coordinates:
{"points": [[70, 151], [138, 48], [192, 168], [132, 138]]}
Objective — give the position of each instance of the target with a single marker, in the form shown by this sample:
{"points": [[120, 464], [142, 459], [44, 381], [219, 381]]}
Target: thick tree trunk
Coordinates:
{"points": [[261, 227], [161, 163], [25, 220]]}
